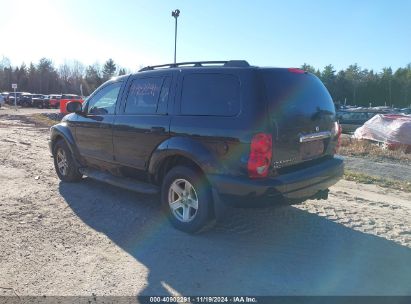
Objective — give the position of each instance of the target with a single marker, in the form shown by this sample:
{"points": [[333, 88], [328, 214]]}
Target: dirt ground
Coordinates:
{"points": [[10, 110], [386, 168], [92, 239]]}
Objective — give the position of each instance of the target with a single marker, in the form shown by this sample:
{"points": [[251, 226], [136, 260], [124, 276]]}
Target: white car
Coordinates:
{"points": [[1, 100]]}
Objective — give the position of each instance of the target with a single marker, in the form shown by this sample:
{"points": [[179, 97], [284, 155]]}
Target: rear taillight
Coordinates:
{"points": [[261, 152]]}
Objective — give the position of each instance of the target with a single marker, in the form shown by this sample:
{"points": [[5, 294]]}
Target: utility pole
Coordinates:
{"points": [[14, 87], [175, 14]]}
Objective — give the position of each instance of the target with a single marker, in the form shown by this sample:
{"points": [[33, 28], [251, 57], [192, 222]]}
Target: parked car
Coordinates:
{"points": [[54, 100], [1, 101], [406, 111], [39, 101], [65, 98], [5, 95], [46, 99], [10, 98], [25, 100], [350, 120], [204, 136]]}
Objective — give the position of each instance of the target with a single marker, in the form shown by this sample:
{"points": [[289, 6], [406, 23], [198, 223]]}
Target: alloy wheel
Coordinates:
{"points": [[61, 160], [183, 200]]}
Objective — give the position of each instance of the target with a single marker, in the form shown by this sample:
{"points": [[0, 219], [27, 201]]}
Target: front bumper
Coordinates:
{"points": [[298, 185]]}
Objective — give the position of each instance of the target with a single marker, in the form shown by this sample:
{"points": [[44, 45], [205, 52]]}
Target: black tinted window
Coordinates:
{"points": [[291, 94], [143, 96], [210, 94]]}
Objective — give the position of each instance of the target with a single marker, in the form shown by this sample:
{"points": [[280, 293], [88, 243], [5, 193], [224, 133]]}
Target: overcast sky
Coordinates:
{"points": [[372, 33]]}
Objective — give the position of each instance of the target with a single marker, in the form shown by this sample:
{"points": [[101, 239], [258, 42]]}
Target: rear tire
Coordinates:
{"points": [[186, 199], [64, 163]]}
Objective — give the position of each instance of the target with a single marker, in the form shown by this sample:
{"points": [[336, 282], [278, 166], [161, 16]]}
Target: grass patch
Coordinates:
{"points": [[364, 148], [44, 120], [382, 182]]}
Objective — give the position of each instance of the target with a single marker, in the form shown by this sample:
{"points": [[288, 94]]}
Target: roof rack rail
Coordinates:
{"points": [[227, 63]]}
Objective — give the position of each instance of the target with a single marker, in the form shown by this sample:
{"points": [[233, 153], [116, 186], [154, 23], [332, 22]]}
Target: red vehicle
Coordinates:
{"points": [[54, 100], [65, 98]]}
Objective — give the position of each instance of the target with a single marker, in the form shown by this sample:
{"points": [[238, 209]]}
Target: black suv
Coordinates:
{"points": [[39, 101], [204, 134], [12, 95], [31, 100]]}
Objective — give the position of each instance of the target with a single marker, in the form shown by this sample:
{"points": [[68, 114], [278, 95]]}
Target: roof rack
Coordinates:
{"points": [[226, 63]]}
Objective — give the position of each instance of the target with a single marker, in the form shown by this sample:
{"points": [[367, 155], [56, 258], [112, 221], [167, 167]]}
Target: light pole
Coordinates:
{"points": [[175, 14]]}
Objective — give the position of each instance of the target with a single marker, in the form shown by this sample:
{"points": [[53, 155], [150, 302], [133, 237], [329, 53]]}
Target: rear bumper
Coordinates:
{"points": [[298, 185]]}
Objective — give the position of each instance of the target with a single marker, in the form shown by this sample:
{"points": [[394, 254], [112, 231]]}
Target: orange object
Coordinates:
{"points": [[65, 98], [54, 101]]}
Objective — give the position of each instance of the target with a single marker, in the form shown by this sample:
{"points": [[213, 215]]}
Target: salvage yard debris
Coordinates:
{"points": [[391, 130]]}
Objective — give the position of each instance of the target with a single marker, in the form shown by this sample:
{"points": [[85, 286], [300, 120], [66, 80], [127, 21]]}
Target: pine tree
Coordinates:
{"points": [[109, 69], [93, 78]]}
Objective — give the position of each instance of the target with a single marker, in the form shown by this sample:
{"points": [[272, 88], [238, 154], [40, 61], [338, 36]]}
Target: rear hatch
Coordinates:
{"points": [[301, 114]]}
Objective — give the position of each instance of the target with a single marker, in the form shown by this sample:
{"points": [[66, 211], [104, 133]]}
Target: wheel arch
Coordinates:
{"points": [[180, 151], [60, 132]]}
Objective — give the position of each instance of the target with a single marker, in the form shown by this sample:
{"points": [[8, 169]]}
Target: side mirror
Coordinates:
{"points": [[74, 107]]}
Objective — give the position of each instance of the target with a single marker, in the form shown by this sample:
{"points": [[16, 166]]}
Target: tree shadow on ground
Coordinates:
{"points": [[268, 251]]}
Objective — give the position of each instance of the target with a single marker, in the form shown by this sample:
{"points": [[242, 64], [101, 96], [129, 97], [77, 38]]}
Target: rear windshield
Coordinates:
{"points": [[290, 94]]}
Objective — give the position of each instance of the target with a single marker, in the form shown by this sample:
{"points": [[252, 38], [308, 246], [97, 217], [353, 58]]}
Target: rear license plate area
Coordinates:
{"points": [[311, 149]]}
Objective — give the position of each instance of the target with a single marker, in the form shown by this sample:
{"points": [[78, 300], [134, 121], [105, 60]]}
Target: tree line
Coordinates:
{"points": [[363, 87], [45, 78], [352, 86]]}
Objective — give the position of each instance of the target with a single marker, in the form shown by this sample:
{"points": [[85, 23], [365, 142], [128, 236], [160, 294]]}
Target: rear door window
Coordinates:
{"points": [[210, 94], [148, 96]]}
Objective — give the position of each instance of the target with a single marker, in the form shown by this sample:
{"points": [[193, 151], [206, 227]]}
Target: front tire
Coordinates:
{"points": [[186, 199], [64, 164]]}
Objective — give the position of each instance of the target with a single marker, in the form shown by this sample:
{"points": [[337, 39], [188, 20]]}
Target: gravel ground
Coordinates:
{"points": [[92, 239], [387, 169], [9, 110]]}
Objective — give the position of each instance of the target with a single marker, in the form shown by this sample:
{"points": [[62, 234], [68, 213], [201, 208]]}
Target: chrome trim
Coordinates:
{"points": [[315, 136]]}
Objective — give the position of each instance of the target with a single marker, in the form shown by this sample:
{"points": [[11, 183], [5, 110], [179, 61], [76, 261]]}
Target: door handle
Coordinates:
{"points": [[157, 130]]}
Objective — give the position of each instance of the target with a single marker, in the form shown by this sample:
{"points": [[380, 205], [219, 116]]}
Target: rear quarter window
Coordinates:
{"points": [[210, 94], [148, 95]]}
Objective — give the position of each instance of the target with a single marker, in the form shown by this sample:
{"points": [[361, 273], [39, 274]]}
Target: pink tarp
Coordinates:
{"points": [[390, 129]]}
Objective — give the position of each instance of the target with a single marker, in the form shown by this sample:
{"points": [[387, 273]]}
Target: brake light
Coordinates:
{"points": [[261, 152], [295, 70]]}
